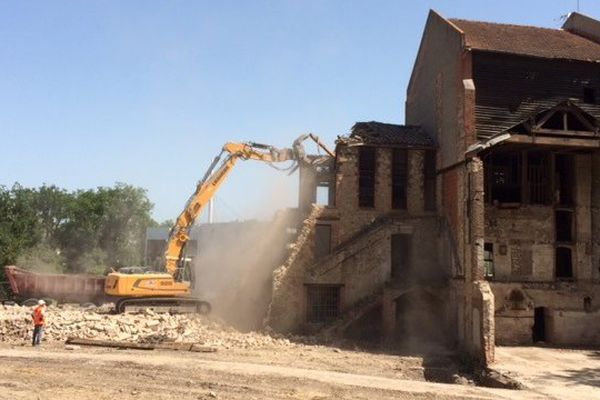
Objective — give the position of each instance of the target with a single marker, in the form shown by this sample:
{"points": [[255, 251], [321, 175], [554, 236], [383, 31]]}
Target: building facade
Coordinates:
{"points": [[478, 222]]}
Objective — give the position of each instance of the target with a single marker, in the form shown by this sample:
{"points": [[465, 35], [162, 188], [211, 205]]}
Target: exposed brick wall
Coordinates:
{"points": [[361, 245]]}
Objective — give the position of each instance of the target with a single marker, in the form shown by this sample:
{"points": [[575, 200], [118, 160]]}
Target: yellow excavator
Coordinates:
{"points": [[172, 290]]}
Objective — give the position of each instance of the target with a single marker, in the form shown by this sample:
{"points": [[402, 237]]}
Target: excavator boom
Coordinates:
{"points": [[172, 290], [208, 186]]}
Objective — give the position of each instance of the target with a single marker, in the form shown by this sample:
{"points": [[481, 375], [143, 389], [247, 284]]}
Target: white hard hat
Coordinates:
{"points": [[41, 302]]}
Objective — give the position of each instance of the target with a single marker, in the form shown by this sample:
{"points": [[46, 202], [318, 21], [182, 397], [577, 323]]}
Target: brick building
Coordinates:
{"points": [[476, 223]]}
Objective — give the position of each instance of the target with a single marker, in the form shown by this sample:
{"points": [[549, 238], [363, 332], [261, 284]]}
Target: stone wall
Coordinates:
{"points": [[569, 327], [286, 311], [516, 302], [433, 96], [360, 259], [523, 240]]}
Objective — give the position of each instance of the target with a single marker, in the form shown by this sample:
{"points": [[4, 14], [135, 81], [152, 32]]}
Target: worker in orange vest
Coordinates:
{"points": [[38, 322]]}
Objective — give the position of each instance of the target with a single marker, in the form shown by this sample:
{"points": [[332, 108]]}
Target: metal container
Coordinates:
{"points": [[62, 288]]}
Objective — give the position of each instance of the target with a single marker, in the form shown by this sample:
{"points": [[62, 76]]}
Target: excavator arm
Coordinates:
{"points": [[172, 291], [217, 173]]}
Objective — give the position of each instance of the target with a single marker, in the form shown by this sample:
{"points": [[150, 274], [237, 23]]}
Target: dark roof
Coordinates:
{"points": [[494, 120], [528, 41], [380, 134]]}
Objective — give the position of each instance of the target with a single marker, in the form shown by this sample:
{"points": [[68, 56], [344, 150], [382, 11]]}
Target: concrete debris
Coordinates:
{"points": [[148, 327]]}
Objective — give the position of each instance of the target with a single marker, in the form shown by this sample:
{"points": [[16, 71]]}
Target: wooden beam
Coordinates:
{"points": [[544, 119], [195, 347], [544, 131], [110, 343], [555, 141], [577, 114]]}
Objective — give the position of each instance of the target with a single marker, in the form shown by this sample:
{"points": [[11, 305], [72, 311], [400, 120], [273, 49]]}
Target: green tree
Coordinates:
{"points": [[124, 224], [50, 229], [18, 222]]}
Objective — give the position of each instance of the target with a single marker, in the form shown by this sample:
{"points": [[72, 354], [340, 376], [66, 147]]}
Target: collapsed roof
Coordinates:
{"points": [[381, 134]]}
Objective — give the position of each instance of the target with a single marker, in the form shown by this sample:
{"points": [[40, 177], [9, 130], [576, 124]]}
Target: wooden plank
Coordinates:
{"points": [[203, 349], [194, 347], [110, 343], [574, 134], [555, 141]]}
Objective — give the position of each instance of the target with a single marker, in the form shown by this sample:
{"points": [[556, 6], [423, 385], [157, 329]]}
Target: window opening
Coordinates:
{"points": [[504, 177], [564, 265], [323, 195], [488, 259], [401, 263], [538, 177], [323, 303], [322, 240], [539, 324], [574, 124], [366, 177], [564, 179], [556, 121], [399, 178], [430, 176]]}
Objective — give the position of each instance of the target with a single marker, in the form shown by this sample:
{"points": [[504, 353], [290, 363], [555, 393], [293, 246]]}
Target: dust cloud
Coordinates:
{"points": [[235, 262]]}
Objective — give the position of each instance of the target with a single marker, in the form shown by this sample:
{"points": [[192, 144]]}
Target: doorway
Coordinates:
{"points": [[401, 262], [539, 325]]}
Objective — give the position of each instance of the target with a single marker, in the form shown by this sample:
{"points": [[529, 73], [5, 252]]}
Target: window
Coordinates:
{"points": [[538, 177], [589, 95], [322, 240], [399, 175], [366, 177], [429, 174], [564, 266], [322, 303], [323, 195], [564, 178], [504, 177], [519, 177], [488, 259]]}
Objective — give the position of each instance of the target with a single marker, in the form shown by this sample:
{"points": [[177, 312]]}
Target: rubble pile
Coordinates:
{"points": [[144, 327]]}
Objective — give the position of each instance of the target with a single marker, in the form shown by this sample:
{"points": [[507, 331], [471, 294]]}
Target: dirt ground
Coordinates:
{"points": [[556, 373], [313, 372]]}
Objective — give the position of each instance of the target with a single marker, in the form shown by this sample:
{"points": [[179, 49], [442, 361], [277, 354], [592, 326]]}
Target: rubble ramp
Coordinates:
{"points": [[357, 243], [336, 329]]}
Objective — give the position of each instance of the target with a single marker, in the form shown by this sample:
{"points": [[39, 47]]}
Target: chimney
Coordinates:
{"points": [[583, 25]]}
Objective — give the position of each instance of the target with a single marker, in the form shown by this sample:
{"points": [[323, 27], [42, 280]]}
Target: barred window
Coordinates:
{"points": [[323, 302]]}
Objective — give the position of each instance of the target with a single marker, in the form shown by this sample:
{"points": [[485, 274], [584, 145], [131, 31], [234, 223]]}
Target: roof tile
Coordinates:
{"points": [[528, 41]]}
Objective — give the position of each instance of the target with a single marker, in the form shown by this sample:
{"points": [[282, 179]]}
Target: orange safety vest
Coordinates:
{"points": [[38, 316]]}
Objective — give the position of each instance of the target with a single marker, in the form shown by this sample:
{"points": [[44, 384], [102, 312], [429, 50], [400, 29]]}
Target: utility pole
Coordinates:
{"points": [[210, 210]]}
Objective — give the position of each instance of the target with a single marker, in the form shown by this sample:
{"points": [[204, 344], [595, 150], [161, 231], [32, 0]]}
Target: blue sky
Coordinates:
{"points": [[147, 92]]}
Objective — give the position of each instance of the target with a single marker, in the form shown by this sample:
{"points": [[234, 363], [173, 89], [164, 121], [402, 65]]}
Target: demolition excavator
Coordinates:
{"points": [[171, 290]]}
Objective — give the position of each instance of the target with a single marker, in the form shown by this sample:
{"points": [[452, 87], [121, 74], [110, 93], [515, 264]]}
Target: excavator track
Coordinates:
{"points": [[171, 305]]}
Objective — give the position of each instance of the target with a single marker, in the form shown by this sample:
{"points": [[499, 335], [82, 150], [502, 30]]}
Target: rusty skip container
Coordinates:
{"points": [[62, 288]]}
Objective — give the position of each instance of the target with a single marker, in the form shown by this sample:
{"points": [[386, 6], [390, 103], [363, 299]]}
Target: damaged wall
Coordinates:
{"points": [[533, 303], [360, 260]]}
